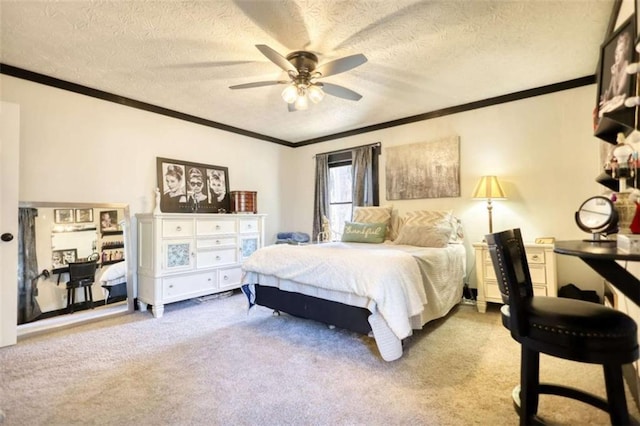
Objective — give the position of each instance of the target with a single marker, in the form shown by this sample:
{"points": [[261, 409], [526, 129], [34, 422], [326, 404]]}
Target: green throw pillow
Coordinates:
{"points": [[355, 232]]}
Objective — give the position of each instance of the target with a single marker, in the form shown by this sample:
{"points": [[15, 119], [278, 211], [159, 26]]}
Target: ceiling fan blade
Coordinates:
{"points": [[258, 84], [276, 58], [341, 65], [340, 92]]}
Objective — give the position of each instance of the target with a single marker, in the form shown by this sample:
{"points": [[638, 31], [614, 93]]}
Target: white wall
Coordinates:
{"points": [[79, 149]]}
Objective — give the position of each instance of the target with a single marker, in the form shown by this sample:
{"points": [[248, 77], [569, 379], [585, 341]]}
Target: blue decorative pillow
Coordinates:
{"points": [[356, 232]]}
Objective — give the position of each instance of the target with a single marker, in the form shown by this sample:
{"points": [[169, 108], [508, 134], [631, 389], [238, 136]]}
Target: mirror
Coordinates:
{"points": [[66, 233], [598, 216]]}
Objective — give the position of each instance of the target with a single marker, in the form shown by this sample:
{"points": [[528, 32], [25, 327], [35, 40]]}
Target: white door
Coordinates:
{"points": [[9, 146]]}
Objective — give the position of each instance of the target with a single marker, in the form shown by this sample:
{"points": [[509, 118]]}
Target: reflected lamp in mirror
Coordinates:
{"points": [[488, 188], [598, 216]]}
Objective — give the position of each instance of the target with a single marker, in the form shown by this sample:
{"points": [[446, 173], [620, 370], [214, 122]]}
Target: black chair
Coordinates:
{"points": [[566, 328], [81, 275]]}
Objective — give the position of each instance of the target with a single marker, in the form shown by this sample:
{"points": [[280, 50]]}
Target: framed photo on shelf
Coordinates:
{"points": [[84, 215], [614, 84], [187, 187], [63, 215], [62, 258], [109, 220]]}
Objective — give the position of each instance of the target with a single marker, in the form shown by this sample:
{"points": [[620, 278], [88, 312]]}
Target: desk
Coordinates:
{"points": [[601, 257]]}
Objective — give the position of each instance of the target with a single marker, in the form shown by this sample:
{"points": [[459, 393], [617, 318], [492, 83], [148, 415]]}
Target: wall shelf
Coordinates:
{"points": [[614, 122]]}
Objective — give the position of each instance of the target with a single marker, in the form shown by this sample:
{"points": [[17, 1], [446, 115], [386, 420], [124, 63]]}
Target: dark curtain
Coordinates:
{"points": [[321, 202], [28, 308], [362, 176]]}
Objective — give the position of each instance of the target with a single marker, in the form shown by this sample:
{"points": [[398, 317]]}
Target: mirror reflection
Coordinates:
{"points": [[58, 240]]}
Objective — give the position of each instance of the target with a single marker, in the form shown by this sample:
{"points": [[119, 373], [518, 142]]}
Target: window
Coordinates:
{"points": [[340, 197], [341, 189]]}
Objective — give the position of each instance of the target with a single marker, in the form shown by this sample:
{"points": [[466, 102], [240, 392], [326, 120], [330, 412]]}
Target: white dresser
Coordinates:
{"points": [[542, 267], [182, 256]]}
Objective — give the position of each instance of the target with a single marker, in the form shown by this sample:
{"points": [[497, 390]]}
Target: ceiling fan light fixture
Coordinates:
{"points": [[302, 102], [290, 94], [316, 94]]}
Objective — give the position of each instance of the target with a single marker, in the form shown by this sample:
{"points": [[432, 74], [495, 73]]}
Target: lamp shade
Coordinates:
{"points": [[489, 189], [290, 94]]}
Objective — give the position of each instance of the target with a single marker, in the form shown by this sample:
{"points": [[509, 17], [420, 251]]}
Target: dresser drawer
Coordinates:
{"points": [[215, 227], [216, 242], [177, 228], [229, 278], [207, 258], [535, 256], [540, 290], [248, 226], [184, 285], [493, 291], [537, 271]]}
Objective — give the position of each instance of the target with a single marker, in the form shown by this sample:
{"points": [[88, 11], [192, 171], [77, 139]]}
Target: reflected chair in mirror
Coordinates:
{"points": [[81, 275], [566, 328]]}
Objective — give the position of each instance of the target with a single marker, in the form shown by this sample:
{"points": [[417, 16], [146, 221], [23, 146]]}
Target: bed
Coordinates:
{"points": [[388, 288]]}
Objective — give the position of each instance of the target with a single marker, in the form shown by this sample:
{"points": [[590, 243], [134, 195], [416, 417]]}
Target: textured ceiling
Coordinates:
{"points": [[422, 55]]}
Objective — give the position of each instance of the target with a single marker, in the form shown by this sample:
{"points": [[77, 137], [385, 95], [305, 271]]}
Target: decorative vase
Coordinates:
{"points": [[626, 211]]}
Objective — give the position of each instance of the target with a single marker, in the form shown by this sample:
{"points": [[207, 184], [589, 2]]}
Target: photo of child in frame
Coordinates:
{"points": [[109, 220]]}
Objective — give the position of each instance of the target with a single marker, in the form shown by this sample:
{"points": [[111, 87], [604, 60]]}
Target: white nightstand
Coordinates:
{"points": [[542, 266]]}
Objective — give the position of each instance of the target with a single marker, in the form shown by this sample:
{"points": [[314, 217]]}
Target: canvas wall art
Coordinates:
{"points": [[423, 170]]}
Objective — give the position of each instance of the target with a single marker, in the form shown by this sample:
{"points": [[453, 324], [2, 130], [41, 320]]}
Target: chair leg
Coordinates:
{"points": [[90, 296], [615, 394], [72, 299], [529, 385], [69, 290]]}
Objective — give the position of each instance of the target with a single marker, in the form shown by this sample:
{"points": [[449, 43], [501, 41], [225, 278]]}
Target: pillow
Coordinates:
{"points": [[425, 235], [428, 217], [355, 232], [373, 214], [114, 271], [435, 217]]}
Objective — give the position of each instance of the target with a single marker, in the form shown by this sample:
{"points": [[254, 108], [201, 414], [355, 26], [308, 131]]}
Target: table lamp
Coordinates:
{"points": [[489, 189]]}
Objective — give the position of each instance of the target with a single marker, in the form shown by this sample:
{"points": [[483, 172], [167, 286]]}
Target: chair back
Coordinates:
{"points": [[82, 270], [514, 279]]}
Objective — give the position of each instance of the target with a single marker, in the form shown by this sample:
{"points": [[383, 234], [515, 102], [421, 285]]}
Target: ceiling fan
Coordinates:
{"points": [[304, 73]]}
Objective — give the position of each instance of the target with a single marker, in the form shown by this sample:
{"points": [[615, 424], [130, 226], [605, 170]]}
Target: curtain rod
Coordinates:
{"points": [[340, 151]]}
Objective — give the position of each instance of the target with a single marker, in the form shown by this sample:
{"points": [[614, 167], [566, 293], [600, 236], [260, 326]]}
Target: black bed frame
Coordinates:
{"points": [[326, 311]]}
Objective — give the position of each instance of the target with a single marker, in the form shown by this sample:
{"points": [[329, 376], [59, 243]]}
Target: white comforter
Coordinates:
{"points": [[389, 278]]}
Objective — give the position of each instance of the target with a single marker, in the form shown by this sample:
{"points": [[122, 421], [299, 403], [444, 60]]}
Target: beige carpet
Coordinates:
{"points": [[212, 363]]}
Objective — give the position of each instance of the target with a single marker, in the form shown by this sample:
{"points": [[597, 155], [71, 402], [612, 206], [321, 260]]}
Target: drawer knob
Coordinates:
{"points": [[535, 257], [178, 228], [225, 278], [249, 226], [170, 285], [217, 227], [217, 257], [217, 241]]}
